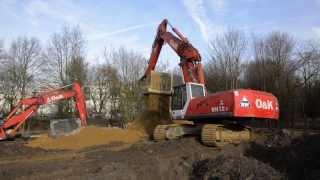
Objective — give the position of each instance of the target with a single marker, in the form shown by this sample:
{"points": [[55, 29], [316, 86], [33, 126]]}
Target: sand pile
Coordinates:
{"points": [[89, 136]]}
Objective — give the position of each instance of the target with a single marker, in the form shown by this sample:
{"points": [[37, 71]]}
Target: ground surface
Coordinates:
{"points": [[277, 157]]}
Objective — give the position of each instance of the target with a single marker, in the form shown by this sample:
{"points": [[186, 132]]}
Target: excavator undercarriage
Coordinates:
{"points": [[159, 99], [210, 134]]}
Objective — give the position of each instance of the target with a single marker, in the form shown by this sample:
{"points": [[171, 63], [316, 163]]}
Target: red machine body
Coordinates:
{"points": [[29, 106], [238, 104], [191, 100]]}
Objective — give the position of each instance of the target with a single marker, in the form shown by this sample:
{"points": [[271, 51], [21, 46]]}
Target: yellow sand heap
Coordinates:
{"points": [[89, 136]]}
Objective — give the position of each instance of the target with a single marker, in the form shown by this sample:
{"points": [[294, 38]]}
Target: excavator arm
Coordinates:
{"points": [[190, 59], [29, 106]]}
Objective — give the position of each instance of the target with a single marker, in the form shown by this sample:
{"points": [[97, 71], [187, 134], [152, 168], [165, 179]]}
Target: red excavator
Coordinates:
{"points": [[218, 118], [29, 106]]}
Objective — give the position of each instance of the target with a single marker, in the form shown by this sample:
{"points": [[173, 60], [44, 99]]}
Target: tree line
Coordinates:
{"points": [[28, 67], [275, 62]]}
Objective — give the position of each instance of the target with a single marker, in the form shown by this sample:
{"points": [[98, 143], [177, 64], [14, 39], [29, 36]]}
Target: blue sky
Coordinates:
{"points": [[132, 23]]}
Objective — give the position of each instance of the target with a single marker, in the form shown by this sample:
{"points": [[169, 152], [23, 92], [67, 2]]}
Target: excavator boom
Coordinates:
{"points": [[190, 59], [29, 106]]}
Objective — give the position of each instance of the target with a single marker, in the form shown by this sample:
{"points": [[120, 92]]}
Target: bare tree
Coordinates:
{"points": [[2, 68], [130, 66], [308, 56], [66, 49], [279, 50], [2, 80], [273, 60], [25, 63], [104, 88], [226, 55], [21, 68], [309, 65], [77, 70]]}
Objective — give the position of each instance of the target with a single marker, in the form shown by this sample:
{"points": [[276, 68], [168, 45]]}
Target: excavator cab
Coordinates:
{"points": [[181, 97]]}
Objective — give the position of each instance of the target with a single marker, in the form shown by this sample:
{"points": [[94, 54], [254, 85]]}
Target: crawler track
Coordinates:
{"points": [[159, 133], [209, 134]]}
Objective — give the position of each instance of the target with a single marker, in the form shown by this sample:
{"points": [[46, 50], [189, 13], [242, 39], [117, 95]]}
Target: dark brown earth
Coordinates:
{"points": [[145, 160], [273, 158]]}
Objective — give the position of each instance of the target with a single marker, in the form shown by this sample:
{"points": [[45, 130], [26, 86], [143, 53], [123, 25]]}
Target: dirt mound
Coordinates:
{"points": [[279, 138], [86, 137], [233, 167], [298, 160]]}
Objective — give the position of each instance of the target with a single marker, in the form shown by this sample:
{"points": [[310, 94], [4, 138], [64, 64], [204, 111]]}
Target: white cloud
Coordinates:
{"points": [[98, 39], [70, 13], [197, 11], [58, 10]]}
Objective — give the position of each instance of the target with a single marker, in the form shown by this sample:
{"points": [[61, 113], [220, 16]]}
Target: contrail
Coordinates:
{"points": [[130, 28], [122, 30], [197, 10]]}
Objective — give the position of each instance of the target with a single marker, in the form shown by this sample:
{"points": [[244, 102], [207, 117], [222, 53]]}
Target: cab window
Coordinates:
{"points": [[179, 98], [197, 90]]}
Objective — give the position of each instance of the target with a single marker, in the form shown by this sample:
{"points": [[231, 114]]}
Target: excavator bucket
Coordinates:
{"points": [[158, 83], [63, 127], [157, 91]]}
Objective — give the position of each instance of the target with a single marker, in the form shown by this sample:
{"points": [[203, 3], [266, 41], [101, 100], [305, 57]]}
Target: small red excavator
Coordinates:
{"points": [[218, 118], [29, 106]]}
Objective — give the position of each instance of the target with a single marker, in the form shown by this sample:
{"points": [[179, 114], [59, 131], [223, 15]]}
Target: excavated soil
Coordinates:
{"points": [[297, 158], [233, 165], [277, 156], [87, 137], [143, 160]]}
